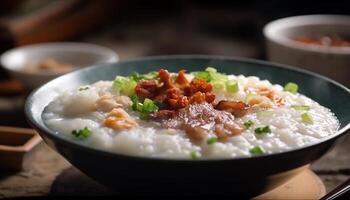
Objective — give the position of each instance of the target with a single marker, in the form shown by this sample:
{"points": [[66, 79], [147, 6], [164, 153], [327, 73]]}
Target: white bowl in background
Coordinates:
{"points": [[77, 54], [333, 62]]}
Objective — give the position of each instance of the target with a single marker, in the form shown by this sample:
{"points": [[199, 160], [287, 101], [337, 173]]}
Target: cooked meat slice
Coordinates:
{"points": [[163, 114], [118, 119], [237, 108], [195, 133], [199, 118]]}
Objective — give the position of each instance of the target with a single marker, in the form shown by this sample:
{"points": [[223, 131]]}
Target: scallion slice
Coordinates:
{"points": [[306, 118], [144, 109], [232, 86], [301, 107], [262, 130], [257, 150], [125, 85], [248, 124], [84, 88], [212, 140], [291, 87], [82, 133], [194, 155]]}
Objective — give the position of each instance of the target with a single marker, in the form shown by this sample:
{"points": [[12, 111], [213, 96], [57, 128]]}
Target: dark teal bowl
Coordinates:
{"points": [[140, 175]]}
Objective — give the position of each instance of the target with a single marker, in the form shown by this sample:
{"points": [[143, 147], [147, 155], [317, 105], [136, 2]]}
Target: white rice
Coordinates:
{"points": [[74, 109]]}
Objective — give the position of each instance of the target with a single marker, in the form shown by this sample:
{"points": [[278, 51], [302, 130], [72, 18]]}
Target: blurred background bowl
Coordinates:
{"points": [[76, 54], [332, 61]]}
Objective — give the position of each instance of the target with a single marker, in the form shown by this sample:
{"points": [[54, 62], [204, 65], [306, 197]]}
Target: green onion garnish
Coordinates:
{"points": [[149, 106], [232, 86], [262, 130], [144, 109], [210, 74], [218, 85], [194, 155], [82, 133], [306, 118], [211, 70], [150, 75], [264, 113], [202, 75], [291, 87], [248, 123], [256, 151], [218, 80], [301, 107], [125, 85], [83, 88], [212, 140], [136, 76]]}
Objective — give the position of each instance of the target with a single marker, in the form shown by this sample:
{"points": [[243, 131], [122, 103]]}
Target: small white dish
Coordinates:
{"points": [[77, 54], [331, 61]]}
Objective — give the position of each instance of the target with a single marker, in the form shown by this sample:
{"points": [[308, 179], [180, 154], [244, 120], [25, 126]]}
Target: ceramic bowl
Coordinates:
{"points": [[333, 62], [236, 176], [77, 54]]}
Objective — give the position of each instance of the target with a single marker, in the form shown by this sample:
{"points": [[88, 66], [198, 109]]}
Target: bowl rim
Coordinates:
{"points": [[271, 32], [51, 134], [57, 46]]}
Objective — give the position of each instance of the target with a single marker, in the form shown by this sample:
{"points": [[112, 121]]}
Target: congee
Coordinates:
{"points": [[198, 115]]}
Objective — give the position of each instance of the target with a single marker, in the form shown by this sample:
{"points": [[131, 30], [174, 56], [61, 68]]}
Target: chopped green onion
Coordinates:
{"points": [[218, 85], [218, 80], [137, 77], [144, 109], [291, 87], [82, 133], [212, 140], [83, 88], [306, 118], [150, 75], [210, 74], [232, 86], [149, 106], [136, 105], [202, 75], [215, 75], [248, 124], [125, 85], [262, 130], [194, 155], [211, 70], [301, 107], [256, 151], [264, 113]]}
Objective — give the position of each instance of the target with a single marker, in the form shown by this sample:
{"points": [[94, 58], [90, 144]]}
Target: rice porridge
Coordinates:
{"points": [[198, 115]]}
